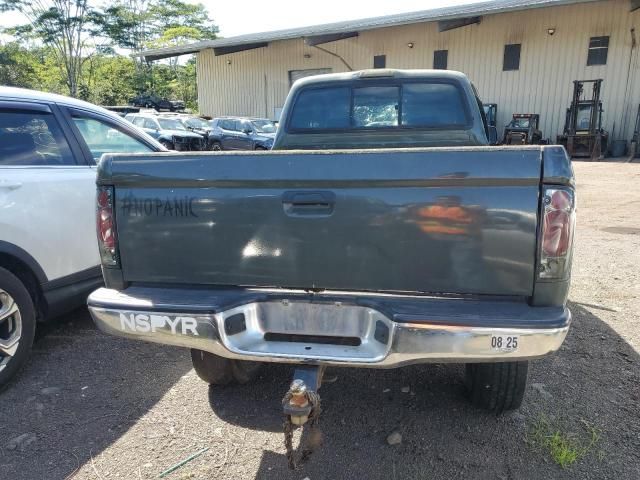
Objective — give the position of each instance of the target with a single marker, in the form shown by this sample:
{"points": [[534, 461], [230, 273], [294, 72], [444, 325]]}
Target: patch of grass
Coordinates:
{"points": [[565, 448]]}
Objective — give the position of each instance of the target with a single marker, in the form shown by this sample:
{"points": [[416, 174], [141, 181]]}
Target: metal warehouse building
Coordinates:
{"points": [[522, 55]]}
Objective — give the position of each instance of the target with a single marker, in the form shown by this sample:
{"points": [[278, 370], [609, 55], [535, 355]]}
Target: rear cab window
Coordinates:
{"points": [[423, 104], [32, 138], [375, 107]]}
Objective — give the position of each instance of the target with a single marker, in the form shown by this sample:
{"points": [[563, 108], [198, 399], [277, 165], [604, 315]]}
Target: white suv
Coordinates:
{"points": [[49, 260]]}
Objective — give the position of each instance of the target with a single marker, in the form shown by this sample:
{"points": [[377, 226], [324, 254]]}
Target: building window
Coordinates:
{"points": [[511, 59], [440, 59], [598, 49], [379, 61], [298, 74]]}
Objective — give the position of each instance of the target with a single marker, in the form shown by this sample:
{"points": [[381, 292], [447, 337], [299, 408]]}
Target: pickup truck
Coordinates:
{"points": [[380, 231]]}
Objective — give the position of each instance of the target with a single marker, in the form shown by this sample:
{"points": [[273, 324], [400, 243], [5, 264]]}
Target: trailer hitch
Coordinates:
{"points": [[301, 406]]}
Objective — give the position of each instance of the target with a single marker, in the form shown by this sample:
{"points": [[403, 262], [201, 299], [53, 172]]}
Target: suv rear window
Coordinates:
{"points": [[410, 105]]}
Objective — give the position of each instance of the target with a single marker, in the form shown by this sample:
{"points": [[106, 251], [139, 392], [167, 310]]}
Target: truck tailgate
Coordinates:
{"points": [[437, 220]]}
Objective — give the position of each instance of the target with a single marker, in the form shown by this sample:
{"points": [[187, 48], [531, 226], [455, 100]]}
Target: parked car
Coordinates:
{"points": [[395, 254], [241, 133], [197, 125], [49, 146], [157, 103], [168, 130]]}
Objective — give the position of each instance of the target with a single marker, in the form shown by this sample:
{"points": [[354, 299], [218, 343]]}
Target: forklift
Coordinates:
{"points": [[583, 135], [523, 130]]}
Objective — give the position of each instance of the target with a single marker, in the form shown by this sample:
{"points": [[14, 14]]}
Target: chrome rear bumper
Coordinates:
{"points": [[336, 332]]}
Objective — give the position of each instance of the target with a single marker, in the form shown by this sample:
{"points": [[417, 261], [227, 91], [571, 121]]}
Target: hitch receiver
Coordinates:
{"points": [[306, 382], [301, 405]]}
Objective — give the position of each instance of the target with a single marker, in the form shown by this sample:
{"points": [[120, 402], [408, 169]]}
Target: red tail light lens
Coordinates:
{"points": [[106, 228], [557, 232]]}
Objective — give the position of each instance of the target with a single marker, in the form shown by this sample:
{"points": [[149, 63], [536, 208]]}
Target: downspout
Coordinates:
{"points": [[334, 55], [266, 101], [629, 80]]}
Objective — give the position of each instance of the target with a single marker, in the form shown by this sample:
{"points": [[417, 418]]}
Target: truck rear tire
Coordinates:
{"points": [[216, 370], [496, 387]]}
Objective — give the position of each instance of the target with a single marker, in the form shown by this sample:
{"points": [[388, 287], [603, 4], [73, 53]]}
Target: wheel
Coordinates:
{"points": [[496, 387], [259, 148], [17, 325], [216, 146], [167, 144], [217, 370]]}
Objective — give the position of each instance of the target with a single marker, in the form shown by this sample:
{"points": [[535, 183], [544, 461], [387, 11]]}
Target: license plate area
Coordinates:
{"points": [[309, 331]]}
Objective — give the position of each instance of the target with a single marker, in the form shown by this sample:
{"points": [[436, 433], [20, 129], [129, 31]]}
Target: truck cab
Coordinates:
{"points": [[381, 109]]}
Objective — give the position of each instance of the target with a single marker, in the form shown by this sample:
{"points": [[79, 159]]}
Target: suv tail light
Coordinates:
{"points": [[106, 227], [558, 223]]}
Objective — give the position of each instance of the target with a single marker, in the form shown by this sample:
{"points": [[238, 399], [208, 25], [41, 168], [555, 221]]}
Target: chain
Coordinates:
{"points": [[305, 448]]}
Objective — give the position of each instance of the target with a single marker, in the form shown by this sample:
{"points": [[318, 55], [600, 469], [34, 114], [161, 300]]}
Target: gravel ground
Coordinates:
{"points": [[90, 406]]}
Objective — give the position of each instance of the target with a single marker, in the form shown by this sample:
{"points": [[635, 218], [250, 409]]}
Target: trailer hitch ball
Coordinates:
{"points": [[299, 406]]}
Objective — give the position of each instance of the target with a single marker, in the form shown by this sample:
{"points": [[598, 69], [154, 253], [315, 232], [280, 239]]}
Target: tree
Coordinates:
{"points": [[127, 23], [175, 14], [68, 47], [62, 25], [138, 24], [17, 66], [109, 80]]}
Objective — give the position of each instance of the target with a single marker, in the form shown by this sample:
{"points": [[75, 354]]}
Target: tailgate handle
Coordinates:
{"points": [[317, 203]]}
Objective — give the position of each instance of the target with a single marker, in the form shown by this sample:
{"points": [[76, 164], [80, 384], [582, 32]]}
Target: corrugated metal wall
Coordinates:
{"points": [[256, 82]]}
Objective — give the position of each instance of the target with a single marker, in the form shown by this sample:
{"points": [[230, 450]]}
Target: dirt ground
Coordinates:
{"points": [[91, 406]]}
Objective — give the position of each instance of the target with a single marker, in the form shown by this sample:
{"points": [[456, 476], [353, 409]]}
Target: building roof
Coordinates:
{"points": [[339, 30]]}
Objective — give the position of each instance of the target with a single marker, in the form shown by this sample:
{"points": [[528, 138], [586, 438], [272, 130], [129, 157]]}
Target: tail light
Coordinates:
{"points": [[106, 227], [558, 224]]}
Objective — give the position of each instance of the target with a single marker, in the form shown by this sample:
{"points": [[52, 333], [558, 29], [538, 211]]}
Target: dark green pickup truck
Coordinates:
{"points": [[343, 247]]}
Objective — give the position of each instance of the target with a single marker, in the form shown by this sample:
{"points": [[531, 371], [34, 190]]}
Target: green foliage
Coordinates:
{"points": [[177, 36], [109, 80], [138, 24], [172, 14], [34, 68], [61, 25], [17, 66], [70, 47], [565, 448]]}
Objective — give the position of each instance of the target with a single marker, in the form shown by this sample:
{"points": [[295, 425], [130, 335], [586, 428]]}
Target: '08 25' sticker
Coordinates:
{"points": [[504, 343]]}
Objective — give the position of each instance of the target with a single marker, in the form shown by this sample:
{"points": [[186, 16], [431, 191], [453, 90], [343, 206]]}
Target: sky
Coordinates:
{"points": [[250, 16]]}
